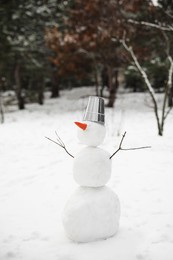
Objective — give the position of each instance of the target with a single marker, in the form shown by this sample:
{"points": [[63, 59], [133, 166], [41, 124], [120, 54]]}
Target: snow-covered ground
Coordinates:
{"points": [[36, 181]]}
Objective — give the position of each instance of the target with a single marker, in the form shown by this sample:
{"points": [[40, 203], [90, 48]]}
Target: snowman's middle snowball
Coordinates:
{"points": [[92, 167]]}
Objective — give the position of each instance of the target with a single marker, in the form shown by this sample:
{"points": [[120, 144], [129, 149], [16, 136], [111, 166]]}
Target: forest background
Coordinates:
{"points": [[57, 53], [50, 45]]}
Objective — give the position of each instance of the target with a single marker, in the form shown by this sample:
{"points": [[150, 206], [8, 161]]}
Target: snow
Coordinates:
{"points": [[91, 214], [36, 181], [93, 135], [92, 167]]}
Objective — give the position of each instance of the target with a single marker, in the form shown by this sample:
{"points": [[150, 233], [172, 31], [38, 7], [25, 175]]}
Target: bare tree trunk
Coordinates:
{"points": [[40, 86], [1, 108], [19, 93], [170, 98], [55, 84], [101, 90], [96, 82], [170, 85], [96, 77], [167, 93], [113, 85], [104, 79]]}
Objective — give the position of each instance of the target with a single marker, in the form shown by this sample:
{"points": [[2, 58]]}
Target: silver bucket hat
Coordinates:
{"points": [[95, 110]]}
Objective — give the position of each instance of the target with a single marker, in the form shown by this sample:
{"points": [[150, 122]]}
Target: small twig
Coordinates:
{"points": [[60, 143], [126, 149], [167, 113], [152, 25]]}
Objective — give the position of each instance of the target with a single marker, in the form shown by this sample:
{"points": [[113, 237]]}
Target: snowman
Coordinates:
{"points": [[93, 211]]}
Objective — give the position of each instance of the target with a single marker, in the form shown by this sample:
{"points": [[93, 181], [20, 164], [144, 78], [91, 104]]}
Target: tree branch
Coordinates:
{"points": [[167, 113], [127, 149], [153, 25], [1, 108], [60, 143], [147, 82], [169, 81]]}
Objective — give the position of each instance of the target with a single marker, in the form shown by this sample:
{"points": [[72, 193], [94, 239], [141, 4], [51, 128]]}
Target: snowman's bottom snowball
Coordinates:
{"points": [[91, 214]]}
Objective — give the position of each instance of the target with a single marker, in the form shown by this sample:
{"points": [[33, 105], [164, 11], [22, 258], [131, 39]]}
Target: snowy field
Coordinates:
{"points": [[36, 181]]}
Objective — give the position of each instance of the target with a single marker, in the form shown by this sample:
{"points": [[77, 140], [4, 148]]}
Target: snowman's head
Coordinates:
{"points": [[91, 133]]}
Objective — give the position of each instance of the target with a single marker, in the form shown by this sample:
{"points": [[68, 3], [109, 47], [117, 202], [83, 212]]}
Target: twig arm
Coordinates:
{"points": [[127, 149], [119, 148], [122, 140], [60, 143], [135, 148]]}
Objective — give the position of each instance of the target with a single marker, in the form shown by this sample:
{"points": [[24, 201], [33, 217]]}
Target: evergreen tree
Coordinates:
{"points": [[23, 50]]}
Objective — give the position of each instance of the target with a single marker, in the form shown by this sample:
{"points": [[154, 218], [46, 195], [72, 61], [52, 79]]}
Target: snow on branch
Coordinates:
{"points": [[127, 149], [164, 114], [129, 49], [60, 143], [167, 28]]}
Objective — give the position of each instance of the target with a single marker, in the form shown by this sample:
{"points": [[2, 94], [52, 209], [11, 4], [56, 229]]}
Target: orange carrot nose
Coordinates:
{"points": [[83, 126]]}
